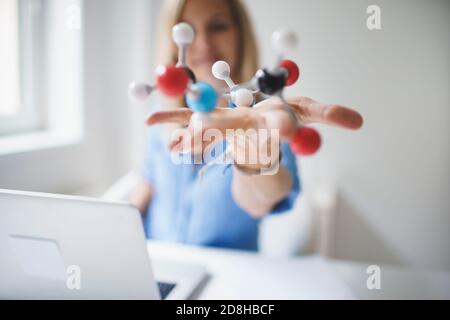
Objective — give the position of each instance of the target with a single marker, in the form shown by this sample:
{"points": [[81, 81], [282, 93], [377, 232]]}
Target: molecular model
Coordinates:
{"points": [[178, 80]]}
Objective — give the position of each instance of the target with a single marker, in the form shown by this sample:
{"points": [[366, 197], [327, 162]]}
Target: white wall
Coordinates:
{"points": [[393, 175]]}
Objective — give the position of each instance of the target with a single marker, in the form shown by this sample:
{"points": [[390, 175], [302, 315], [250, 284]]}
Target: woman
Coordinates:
{"points": [[224, 208]]}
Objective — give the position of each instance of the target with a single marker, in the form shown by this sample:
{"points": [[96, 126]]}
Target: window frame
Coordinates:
{"points": [[31, 115], [56, 118]]}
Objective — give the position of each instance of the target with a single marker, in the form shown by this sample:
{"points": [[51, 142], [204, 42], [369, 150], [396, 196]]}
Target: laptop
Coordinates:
{"points": [[66, 247]]}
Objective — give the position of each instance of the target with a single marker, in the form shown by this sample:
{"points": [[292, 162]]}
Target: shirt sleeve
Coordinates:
{"points": [[288, 161]]}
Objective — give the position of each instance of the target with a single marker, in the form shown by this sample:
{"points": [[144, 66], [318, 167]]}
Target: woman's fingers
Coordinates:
{"points": [[212, 125], [279, 120], [186, 140], [223, 122], [181, 116], [311, 111], [343, 117], [269, 114], [308, 110], [231, 121]]}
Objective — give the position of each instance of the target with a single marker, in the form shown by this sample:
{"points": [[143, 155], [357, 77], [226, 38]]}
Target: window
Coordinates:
{"points": [[9, 58], [40, 59]]}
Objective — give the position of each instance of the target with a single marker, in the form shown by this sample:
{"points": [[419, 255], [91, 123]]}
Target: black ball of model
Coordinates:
{"points": [[270, 82], [190, 73]]}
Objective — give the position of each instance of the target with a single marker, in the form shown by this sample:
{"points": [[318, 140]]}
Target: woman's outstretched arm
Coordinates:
{"points": [[257, 194]]}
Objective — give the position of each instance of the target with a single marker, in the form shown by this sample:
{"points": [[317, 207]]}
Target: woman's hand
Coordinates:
{"points": [[268, 114]]}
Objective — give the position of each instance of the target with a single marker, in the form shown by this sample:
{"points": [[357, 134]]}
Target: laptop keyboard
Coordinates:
{"points": [[165, 288]]}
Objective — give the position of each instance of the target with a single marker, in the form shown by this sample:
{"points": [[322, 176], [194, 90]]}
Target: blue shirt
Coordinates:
{"points": [[187, 209]]}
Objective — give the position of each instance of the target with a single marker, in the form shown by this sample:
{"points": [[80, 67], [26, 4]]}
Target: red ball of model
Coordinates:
{"points": [[305, 142], [292, 70], [172, 80]]}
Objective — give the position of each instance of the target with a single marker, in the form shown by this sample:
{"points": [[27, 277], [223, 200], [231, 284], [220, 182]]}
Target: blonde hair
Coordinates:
{"points": [[167, 52]]}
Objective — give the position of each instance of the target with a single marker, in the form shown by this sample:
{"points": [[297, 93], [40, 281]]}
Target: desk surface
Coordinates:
{"points": [[242, 275]]}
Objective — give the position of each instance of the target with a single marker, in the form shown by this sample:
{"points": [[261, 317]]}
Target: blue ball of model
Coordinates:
{"points": [[201, 97]]}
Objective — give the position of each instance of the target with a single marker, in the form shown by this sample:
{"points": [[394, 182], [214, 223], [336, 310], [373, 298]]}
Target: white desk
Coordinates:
{"points": [[241, 275]]}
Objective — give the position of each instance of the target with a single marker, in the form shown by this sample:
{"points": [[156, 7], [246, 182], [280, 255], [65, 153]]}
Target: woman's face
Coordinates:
{"points": [[216, 37]]}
